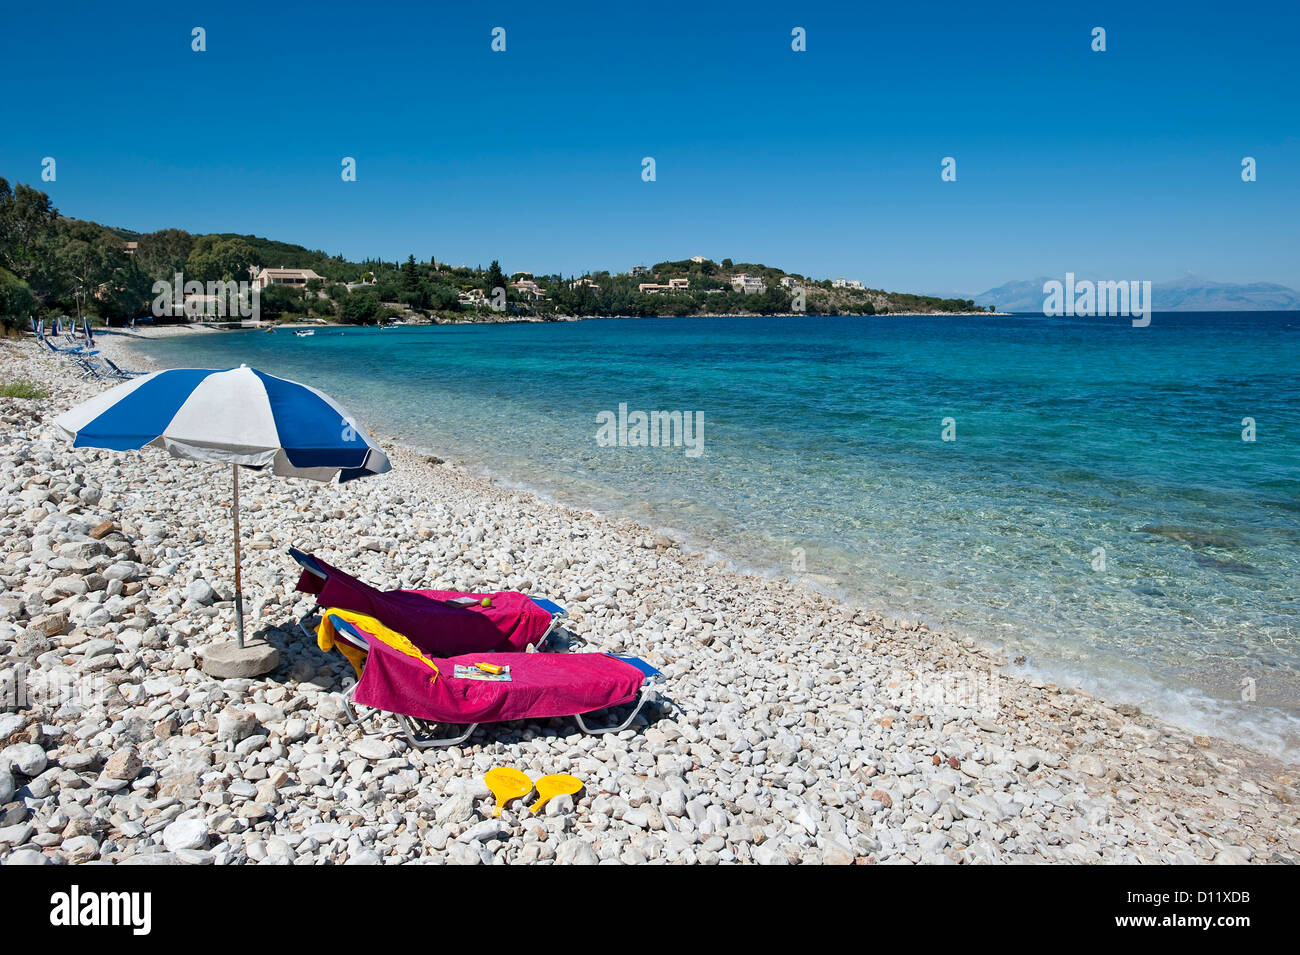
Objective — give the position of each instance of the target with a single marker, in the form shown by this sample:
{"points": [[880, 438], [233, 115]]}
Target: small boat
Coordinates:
{"points": [[305, 332]]}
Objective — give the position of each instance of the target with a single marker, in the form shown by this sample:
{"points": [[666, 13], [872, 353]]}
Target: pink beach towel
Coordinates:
{"points": [[541, 685], [511, 624]]}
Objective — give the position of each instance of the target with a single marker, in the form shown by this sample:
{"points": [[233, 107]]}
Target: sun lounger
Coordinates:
{"points": [[117, 372], [85, 360], [53, 347], [395, 676], [448, 622]]}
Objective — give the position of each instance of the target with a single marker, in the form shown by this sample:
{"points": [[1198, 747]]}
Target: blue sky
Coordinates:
{"points": [[1123, 164]]}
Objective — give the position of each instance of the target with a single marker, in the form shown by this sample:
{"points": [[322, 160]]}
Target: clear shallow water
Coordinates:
{"points": [[822, 437]]}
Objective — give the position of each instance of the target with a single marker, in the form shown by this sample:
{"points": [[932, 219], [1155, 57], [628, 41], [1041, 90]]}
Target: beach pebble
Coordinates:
{"points": [[484, 831], [235, 725], [185, 834], [1092, 765], [124, 764], [454, 809], [374, 749], [27, 857], [26, 758], [771, 853], [576, 852], [79, 849], [11, 723], [200, 591], [17, 834]]}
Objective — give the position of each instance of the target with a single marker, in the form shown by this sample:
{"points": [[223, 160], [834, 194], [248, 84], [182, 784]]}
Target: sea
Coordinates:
{"points": [[1117, 507]]}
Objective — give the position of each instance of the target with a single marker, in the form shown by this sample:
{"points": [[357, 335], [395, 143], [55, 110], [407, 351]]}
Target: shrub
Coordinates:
{"points": [[22, 389]]}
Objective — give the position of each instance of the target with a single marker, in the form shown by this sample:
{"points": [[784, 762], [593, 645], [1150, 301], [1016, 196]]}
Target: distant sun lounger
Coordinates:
{"points": [[83, 359], [447, 622], [398, 676]]}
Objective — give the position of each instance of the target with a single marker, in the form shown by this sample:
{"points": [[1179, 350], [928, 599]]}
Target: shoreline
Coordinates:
{"points": [[166, 331], [881, 768]]}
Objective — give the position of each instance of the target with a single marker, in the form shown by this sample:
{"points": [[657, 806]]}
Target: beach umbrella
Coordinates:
{"points": [[241, 417]]}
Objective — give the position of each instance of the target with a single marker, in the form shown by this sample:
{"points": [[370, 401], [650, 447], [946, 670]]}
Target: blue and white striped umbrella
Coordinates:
{"points": [[241, 416]]}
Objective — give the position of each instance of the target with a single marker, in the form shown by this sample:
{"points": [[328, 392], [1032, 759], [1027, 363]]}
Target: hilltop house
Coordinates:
{"points": [[749, 284], [296, 278], [636, 270], [530, 288], [674, 285], [789, 281], [846, 283]]}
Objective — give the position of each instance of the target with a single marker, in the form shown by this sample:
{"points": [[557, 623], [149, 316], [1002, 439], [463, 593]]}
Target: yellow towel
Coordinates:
{"points": [[327, 639]]}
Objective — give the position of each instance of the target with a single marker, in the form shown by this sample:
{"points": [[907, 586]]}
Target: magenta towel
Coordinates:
{"points": [[542, 685], [511, 624]]}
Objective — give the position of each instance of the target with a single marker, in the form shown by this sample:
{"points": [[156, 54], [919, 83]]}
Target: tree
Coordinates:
{"points": [[410, 275], [277, 300], [216, 259], [27, 222], [443, 298], [129, 293], [163, 253], [86, 257], [360, 307], [495, 278], [16, 301]]}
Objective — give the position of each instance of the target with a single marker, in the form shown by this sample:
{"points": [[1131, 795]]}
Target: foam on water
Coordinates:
{"points": [[824, 460]]}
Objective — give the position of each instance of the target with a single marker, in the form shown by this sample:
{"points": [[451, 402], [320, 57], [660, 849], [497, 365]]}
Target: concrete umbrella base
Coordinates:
{"points": [[228, 660]]}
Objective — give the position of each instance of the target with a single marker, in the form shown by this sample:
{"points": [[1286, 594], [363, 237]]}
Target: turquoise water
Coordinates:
{"points": [[823, 459]]}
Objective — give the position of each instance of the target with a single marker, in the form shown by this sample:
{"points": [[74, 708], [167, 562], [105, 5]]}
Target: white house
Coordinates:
{"points": [[530, 288], [674, 285], [749, 284], [297, 278]]}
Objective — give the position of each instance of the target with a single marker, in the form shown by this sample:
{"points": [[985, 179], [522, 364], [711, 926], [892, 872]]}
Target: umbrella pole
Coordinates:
{"points": [[239, 592]]}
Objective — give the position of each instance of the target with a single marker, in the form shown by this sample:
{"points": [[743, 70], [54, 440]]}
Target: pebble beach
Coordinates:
{"points": [[792, 729]]}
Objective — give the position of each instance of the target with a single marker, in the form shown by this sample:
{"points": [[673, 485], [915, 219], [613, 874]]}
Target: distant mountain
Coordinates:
{"points": [[1181, 295], [1197, 294], [1014, 296]]}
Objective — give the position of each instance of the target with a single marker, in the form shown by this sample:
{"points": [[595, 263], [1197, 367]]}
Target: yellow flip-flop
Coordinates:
{"points": [[507, 784], [557, 784]]}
